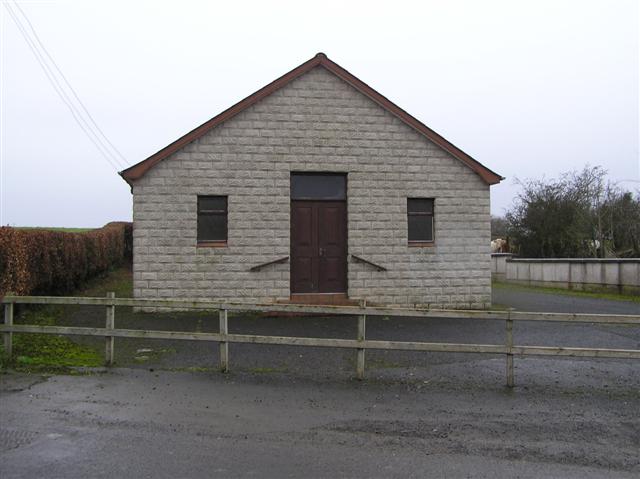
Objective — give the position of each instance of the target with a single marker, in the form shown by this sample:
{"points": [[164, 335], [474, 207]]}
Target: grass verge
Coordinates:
{"points": [[568, 292], [42, 353], [119, 281], [47, 353]]}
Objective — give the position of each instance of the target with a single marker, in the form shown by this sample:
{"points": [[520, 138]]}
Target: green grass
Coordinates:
{"points": [[55, 228], [568, 292], [37, 353], [118, 281], [47, 353]]}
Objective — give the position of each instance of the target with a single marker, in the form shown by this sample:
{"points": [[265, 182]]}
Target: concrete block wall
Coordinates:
{"points": [[316, 123], [499, 265], [572, 273]]}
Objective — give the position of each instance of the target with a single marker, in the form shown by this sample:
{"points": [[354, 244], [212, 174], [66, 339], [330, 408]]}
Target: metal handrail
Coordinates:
{"points": [[275, 261], [362, 260]]}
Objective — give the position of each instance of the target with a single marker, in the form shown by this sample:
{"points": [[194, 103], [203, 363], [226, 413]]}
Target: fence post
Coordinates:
{"points": [[509, 344], [361, 336], [224, 345], [109, 340], [8, 337]]}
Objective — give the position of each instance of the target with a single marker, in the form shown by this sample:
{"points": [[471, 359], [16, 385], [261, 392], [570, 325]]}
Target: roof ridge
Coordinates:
{"points": [[136, 171]]}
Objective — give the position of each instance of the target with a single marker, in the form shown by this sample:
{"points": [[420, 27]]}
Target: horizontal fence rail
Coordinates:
{"points": [[360, 344], [330, 310]]}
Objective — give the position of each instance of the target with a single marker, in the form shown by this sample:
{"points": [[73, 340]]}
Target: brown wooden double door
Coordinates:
{"points": [[318, 246]]}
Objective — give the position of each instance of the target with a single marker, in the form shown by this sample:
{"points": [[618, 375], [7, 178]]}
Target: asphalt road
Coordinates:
{"points": [[531, 299], [137, 423], [292, 412]]}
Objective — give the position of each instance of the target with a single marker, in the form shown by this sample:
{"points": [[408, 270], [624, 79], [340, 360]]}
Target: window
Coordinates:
{"points": [[318, 186], [212, 220], [420, 220]]}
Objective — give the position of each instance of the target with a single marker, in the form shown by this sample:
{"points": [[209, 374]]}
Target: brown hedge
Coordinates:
{"points": [[39, 261]]}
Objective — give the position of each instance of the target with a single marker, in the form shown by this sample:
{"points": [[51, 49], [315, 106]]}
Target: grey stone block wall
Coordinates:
{"points": [[622, 274], [316, 123]]}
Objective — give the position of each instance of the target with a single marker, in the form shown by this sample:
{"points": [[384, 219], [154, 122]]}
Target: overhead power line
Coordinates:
{"points": [[84, 108], [60, 92], [91, 130]]}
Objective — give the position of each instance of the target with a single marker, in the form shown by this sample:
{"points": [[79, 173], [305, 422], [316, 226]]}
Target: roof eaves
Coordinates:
{"points": [[131, 174], [485, 173], [136, 171]]}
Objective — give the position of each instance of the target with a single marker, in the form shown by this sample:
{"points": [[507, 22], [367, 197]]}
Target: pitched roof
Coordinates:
{"points": [[136, 171]]}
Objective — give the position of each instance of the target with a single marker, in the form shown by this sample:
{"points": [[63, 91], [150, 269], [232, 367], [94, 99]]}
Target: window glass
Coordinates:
{"points": [[212, 203], [420, 219], [420, 228], [212, 218], [318, 187], [420, 205]]}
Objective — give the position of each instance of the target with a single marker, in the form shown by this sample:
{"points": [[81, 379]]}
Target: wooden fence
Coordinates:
{"points": [[360, 343]]}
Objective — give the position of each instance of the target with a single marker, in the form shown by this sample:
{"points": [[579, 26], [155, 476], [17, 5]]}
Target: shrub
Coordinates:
{"points": [[45, 262]]}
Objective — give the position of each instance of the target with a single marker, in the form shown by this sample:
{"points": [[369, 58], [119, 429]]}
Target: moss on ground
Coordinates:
{"points": [[38, 353], [48, 353]]}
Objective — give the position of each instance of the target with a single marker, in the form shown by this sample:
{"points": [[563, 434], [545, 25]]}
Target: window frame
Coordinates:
{"points": [[426, 214], [212, 243]]}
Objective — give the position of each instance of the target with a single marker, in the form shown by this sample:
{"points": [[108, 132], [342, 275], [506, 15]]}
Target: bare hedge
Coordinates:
{"points": [[38, 261]]}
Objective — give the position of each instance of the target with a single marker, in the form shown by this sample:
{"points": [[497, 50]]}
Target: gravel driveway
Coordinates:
{"points": [[325, 363], [291, 412], [532, 299]]}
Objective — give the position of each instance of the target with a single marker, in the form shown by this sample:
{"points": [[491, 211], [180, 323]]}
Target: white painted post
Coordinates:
{"points": [[109, 340], [510, 381], [8, 337], [224, 345], [360, 352]]}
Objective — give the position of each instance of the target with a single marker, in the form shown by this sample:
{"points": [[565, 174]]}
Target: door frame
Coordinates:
{"points": [[327, 296], [345, 224]]}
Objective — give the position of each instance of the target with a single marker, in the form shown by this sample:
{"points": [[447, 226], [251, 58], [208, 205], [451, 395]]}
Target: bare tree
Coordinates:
{"points": [[582, 214]]}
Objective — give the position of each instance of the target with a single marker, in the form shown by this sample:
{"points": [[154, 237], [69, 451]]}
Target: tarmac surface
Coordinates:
{"points": [[532, 299], [292, 412]]}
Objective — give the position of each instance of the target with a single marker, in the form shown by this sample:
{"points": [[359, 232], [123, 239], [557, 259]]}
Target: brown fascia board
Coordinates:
{"points": [[133, 173]]}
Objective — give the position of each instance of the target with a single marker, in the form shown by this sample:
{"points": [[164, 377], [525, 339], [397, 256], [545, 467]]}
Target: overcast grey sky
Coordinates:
{"points": [[527, 88]]}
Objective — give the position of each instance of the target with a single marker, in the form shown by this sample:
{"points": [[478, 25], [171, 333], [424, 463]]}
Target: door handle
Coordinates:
{"points": [[321, 252]]}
